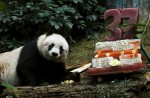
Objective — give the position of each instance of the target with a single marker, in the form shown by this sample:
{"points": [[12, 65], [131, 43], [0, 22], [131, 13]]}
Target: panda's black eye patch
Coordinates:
{"points": [[61, 49], [50, 46]]}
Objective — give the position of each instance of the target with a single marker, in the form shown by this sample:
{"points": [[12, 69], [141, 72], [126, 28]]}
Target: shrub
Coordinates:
{"points": [[71, 18]]}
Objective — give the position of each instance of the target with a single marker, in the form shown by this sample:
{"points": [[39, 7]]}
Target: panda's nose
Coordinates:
{"points": [[54, 54]]}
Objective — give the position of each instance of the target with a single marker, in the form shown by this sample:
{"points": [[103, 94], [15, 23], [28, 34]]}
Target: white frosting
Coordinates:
{"points": [[101, 62], [130, 61], [106, 61], [116, 45]]}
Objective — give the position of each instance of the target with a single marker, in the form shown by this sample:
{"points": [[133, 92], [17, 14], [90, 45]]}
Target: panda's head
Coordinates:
{"points": [[53, 47]]}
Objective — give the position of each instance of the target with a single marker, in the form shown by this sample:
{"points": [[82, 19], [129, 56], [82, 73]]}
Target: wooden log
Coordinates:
{"points": [[64, 91], [125, 88]]}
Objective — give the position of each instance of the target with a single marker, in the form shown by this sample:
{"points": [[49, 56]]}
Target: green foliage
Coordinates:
{"points": [[3, 8], [67, 17], [8, 86]]}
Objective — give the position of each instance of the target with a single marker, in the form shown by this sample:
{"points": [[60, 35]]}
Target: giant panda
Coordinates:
{"points": [[42, 60]]}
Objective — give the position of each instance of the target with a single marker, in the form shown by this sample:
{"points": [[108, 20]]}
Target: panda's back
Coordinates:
{"points": [[8, 63]]}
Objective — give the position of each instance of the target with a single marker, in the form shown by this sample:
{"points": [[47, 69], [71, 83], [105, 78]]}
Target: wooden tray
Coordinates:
{"points": [[115, 69]]}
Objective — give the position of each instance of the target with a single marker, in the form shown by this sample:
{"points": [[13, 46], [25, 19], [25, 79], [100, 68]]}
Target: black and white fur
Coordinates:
{"points": [[42, 60]]}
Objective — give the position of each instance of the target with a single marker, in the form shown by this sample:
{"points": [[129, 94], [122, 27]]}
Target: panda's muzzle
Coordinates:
{"points": [[54, 54]]}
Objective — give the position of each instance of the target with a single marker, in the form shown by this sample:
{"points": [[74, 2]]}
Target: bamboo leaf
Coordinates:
{"points": [[8, 86]]}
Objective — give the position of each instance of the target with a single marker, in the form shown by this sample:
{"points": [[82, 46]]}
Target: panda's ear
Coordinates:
{"points": [[47, 33]]}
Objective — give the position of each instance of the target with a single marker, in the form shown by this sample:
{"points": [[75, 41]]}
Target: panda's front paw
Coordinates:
{"points": [[75, 76]]}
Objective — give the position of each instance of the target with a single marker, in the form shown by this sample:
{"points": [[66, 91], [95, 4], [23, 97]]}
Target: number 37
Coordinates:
{"points": [[130, 14]]}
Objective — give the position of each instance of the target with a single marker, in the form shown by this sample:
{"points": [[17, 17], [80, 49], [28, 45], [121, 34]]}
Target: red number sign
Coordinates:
{"points": [[131, 14]]}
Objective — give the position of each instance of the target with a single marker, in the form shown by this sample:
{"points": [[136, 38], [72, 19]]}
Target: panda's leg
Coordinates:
{"points": [[30, 80], [28, 77]]}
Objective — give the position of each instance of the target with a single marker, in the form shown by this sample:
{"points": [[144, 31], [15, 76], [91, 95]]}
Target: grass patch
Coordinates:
{"points": [[82, 51]]}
